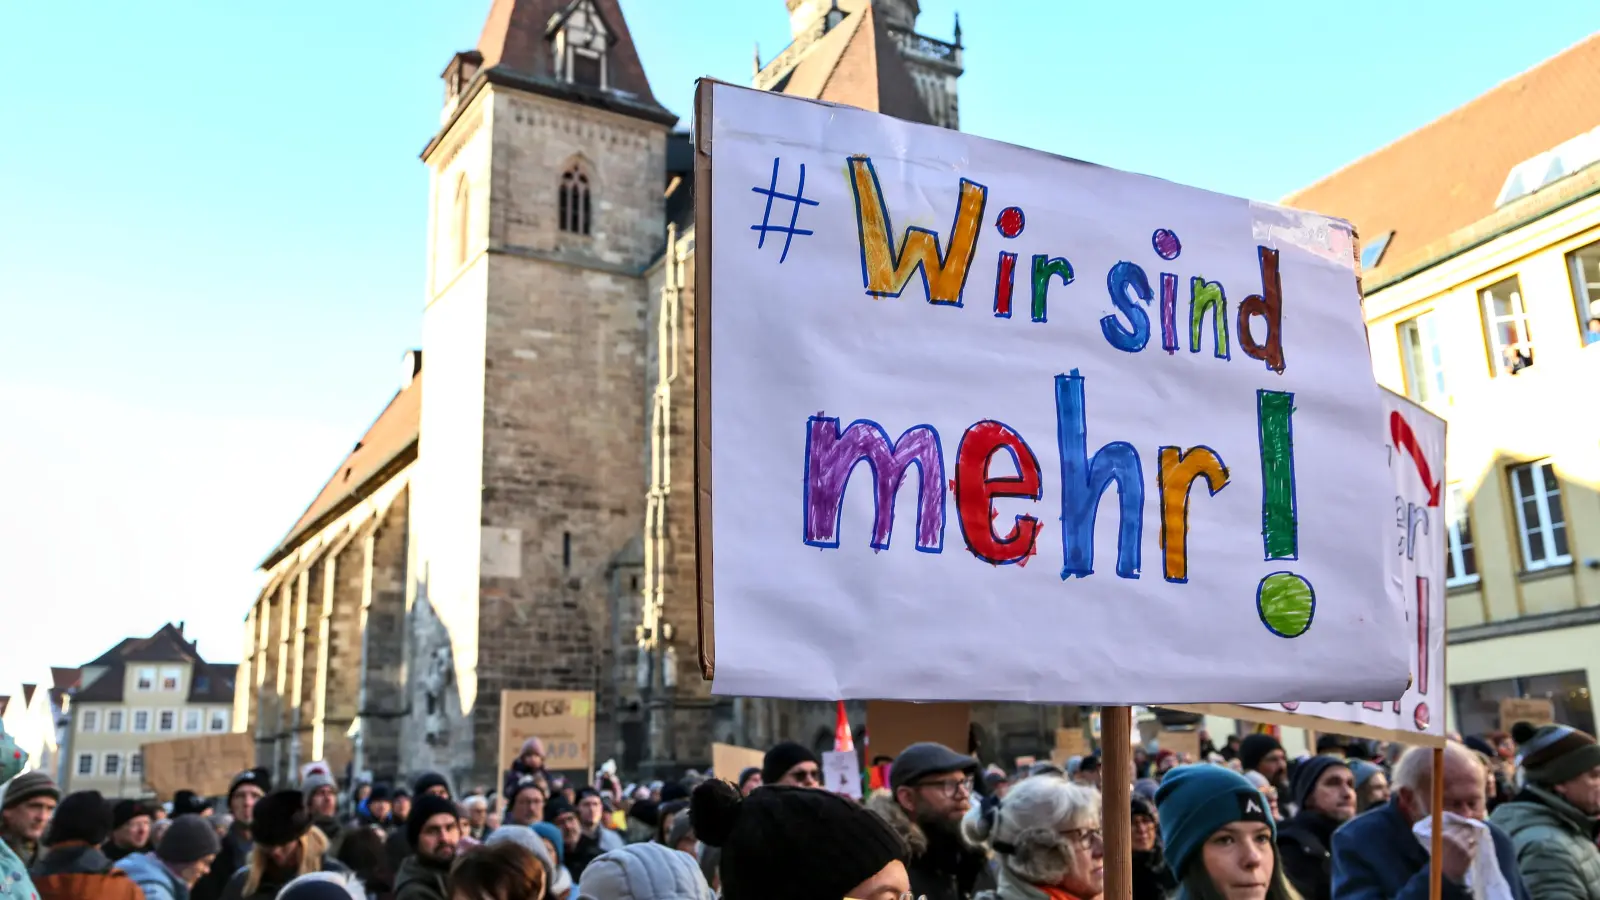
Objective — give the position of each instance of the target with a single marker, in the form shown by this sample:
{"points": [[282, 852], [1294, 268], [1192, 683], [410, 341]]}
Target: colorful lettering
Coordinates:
{"points": [[1005, 277], [1279, 527], [1169, 312], [885, 269], [1123, 276], [1267, 305], [1083, 481], [1207, 296], [831, 456], [976, 492], [1046, 267], [1175, 477]]}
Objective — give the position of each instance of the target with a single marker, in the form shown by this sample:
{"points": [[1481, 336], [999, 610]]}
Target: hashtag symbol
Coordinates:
{"points": [[798, 198]]}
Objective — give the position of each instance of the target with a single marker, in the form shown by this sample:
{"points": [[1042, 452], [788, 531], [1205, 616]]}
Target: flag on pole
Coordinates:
{"points": [[842, 741]]}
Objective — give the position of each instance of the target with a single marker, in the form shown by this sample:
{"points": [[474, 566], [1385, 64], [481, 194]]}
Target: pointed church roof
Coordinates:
{"points": [[857, 64], [516, 36]]}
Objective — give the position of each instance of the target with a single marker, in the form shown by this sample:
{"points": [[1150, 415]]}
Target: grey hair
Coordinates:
{"points": [[1025, 829], [475, 801], [347, 880], [1415, 768]]}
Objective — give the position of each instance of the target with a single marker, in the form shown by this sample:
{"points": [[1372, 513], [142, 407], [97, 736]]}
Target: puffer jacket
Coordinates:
{"points": [[941, 868], [153, 877], [1555, 844], [644, 872], [74, 870]]}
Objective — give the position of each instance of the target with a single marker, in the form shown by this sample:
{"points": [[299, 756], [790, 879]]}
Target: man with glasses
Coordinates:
{"points": [[932, 790], [792, 764]]}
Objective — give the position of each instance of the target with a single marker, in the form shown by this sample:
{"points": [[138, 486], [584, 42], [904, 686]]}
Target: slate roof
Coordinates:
{"points": [[857, 64], [208, 683]]}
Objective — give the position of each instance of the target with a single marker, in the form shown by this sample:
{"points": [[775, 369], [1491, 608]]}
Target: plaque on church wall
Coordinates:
{"points": [[971, 418]]}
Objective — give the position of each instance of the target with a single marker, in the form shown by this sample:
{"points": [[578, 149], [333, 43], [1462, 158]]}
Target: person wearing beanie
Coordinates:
{"points": [[1219, 835], [374, 809], [322, 799], [530, 840], [286, 847], [1324, 794], [788, 763], [790, 843], [73, 866], [593, 837], [30, 799], [431, 783], [1262, 753], [182, 857], [1152, 877], [398, 846], [528, 764], [563, 884], [1046, 836], [930, 791], [130, 829], [667, 815], [749, 780], [433, 832], [186, 802], [1553, 822], [245, 790], [1372, 785], [399, 809], [1377, 854], [644, 872], [13, 871], [1331, 745]]}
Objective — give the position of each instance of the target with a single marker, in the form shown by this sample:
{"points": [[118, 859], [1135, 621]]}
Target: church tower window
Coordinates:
{"points": [[581, 38], [573, 200], [461, 221]]}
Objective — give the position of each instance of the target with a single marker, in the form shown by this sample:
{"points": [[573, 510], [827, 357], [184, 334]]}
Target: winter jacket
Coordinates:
{"points": [[116, 852], [234, 855], [1303, 847], [941, 866], [27, 851], [589, 849], [644, 872], [14, 881], [1555, 844], [153, 877], [1152, 877], [270, 886], [334, 832], [1010, 887], [416, 880], [1377, 857], [74, 870]]}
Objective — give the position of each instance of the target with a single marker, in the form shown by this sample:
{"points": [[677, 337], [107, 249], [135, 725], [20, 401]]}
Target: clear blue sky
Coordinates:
{"points": [[212, 221]]}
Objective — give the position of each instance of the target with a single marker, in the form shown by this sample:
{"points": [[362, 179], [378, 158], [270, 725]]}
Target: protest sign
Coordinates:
{"points": [[1072, 742], [1417, 534], [1184, 743], [1536, 711], [728, 760], [204, 765], [1089, 404], [839, 773], [563, 720], [894, 726]]}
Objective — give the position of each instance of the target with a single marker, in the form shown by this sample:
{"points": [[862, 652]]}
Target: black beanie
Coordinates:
{"points": [[746, 775], [773, 839], [185, 802], [426, 807], [281, 818], [429, 780], [188, 839], [780, 759], [261, 778], [1255, 748], [673, 790], [126, 811], [82, 816], [379, 792], [1307, 774]]}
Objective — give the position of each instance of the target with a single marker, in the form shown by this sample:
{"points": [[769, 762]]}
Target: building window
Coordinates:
{"points": [[1423, 358], [574, 201], [147, 680], [461, 222], [85, 763], [1462, 560], [191, 720], [580, 48], [1506, 327], [113, 764], [89, 721], [141, 720], [1372, 252], [1478, 704], [1540, 518], [1584, 266], [114, 720], [171, 677], [136, 764], [219, 720], [167, 720]]}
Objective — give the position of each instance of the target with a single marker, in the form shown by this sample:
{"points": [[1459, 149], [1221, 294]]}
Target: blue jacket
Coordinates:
{"points": [[153, 877], [1377, 857]]}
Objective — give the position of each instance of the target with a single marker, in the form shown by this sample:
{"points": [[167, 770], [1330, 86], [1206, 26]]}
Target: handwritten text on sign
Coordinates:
{"points": [[1068, 362]]}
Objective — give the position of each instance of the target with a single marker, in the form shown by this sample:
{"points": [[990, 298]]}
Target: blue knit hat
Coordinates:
{"points": [[1196, 800]]}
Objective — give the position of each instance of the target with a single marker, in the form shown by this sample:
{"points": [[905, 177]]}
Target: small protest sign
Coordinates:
{"points": [[728, 760], [839, 773], [893, 726], [1072, 742], [1536, 711], [1184, 743], [563, 720], [204, 765]]}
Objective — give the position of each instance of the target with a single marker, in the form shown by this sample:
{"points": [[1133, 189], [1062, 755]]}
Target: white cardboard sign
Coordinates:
{"points": [[839, 773], [956, 384]]}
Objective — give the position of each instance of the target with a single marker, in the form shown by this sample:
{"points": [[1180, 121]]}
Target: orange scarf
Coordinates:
{"points": [[1055, 893]]}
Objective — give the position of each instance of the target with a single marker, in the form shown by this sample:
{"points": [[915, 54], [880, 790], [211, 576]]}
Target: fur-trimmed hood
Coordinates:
{"points": [[887, 809]]}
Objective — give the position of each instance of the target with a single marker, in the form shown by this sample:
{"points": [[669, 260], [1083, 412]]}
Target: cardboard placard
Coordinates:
{"points": [[893, 726], [1184, 743], [1536, 711], [1072, 742], [839, 773], [728, 760], [563, 720], [204, 765]]}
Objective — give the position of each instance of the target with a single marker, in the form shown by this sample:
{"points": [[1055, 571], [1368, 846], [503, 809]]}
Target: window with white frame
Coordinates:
{"points": [[146, 680], [219, 720], [1583, 265], [89, 721], [1541, 522], [141, 720], [1506, 327], [191, 720], [85, 763], [112, 765], [114, 720], [1461, 560], [167, 720], [1423, 356], [135, 763], [171, 677]]}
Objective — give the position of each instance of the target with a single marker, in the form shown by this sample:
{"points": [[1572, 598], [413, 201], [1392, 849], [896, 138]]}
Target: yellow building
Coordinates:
{"points": [[1481, 272]]}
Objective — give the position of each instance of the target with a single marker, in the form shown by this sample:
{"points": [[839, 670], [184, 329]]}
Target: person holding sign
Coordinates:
{"points": [[1219, 836]]}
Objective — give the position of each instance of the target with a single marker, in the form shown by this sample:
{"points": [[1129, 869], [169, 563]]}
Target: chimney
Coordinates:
{"points": [[180, 626]]}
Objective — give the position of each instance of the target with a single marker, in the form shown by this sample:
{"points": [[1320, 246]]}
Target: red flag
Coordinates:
{"points": [[842, 741]]}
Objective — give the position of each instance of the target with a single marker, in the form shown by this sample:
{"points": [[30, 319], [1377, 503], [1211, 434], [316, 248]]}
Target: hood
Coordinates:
{"points": [[644, 872], [73, 858], [910, 832], [1538, 806], [413, 871]]}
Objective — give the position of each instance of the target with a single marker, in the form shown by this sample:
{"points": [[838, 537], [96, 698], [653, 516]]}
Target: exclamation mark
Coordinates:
{"points": [[1421, 715], [1284, 600]]}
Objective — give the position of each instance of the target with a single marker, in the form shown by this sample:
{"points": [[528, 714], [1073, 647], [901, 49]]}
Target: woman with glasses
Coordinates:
{"points": [[1046, 834], [1220, 836]]}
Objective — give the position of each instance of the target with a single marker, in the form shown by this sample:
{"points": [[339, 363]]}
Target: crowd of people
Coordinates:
{"points": [[1522, 820]]}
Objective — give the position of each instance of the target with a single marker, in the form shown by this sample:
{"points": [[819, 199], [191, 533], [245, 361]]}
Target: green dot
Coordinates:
{"points": [[1286, 604]]}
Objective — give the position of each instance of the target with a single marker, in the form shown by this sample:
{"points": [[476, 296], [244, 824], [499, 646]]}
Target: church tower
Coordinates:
{"points": [[545, 209]]}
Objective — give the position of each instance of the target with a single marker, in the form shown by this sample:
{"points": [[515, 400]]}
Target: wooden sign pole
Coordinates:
{"points": [[1116, 809], [1435, 871]]}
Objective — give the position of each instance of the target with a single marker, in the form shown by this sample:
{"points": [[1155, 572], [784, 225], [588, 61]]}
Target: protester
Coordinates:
{"points": [[642, 818], [645, 872], [1377, 854], [244, 791], [1152, 877], [1325, 795], [788, 763], [322, 799], [1260, 783], [477, 809], [361, 851], [182, 857], [1046, 834], [529, 839], [562, 883], [792, 843], [1554, 820], [399, 809], [931, 790], [1372, 785], [1262, 753], [30, 799], [667, 816], [399, 845], [286, 847], [433, 831], [186, 802], [130, 829], [593, 837], [73, 866], [528, 764], [1088, 773], [1219, 835], [13, 871], [682, 836], [431, 783], [1331, 745], [503, 870], [374, 809], [324, 886], [749, 780], [564, 817], [525, 801]]}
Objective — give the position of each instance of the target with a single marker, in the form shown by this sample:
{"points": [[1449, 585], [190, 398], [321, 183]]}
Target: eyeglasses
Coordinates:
{"points": [[807, 775], [951, 789], [1084, 837]]}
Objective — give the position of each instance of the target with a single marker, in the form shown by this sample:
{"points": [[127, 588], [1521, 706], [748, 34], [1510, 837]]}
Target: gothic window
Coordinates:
{"points": [[573, 201], [460, 221]]}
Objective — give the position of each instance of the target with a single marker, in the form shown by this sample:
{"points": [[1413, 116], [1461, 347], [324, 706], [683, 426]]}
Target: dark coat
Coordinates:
{"points": [[417, 881], [269, 887], [942, 867], [1377, 857], [1152, 877], [1307, 861], [234, 855], [73, 870], [1555, 844]]}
